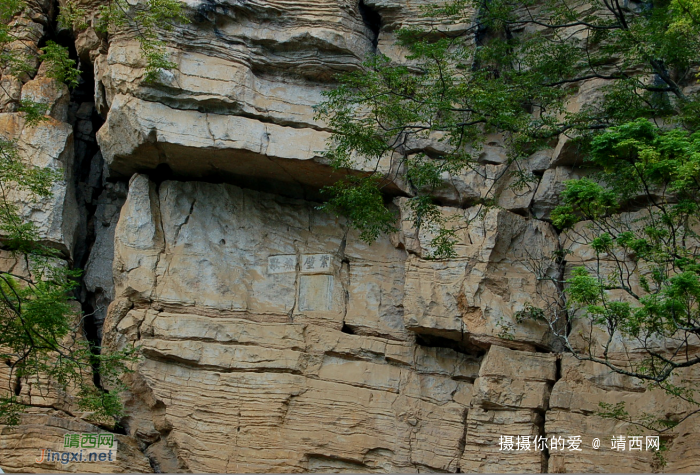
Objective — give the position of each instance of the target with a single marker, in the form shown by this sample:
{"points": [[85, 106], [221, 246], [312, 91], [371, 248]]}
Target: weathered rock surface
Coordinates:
{"points": [[293, 376], [301, 320], [273, 338], [21, 446], [574, 411], [475, 296], [48, 144], [52, 414]]}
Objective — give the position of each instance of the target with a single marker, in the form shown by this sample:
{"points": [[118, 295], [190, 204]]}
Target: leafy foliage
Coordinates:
{"points": [[510, 71], [364, 205], [147, 18], [60, 66], [41, 335], [511, 68], [652, 287]]}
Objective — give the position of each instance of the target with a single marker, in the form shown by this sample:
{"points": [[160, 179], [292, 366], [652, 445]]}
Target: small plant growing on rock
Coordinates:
{"points": [[41, 332]]}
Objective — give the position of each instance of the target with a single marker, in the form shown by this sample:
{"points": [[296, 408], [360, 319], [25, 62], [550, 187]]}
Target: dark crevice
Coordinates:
{"points": [[558, 374], [18, 386], [91, 335], [462, 441], [347, 329], [206, 12], [542, 349], [88, 185], [281, 187], [57, 34], [539, 424], [542, 416], [435, 341], [162, 173], [86, 174], [154, 464], [119, 428], [372, 20]]}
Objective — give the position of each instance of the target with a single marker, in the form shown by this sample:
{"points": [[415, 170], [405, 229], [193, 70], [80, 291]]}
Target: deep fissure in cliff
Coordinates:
{"points": [[87, 161], [87, 180], [372, 20]]}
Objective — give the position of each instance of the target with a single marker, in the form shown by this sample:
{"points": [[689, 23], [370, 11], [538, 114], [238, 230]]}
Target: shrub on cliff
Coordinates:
{"points": [[508, 68], [41, 331]]}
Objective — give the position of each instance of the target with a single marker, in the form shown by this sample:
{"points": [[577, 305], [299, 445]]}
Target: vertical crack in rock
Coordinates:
{"points": [[85, 180], [545, 452], [461, 447], [154, 464], [542, 427], [184, 223], [18, 385], [372, 20], [94, 293], [345, 282]]}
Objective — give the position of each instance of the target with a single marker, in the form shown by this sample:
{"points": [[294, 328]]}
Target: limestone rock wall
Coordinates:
{"points": [[64, 142], [273, 338]]}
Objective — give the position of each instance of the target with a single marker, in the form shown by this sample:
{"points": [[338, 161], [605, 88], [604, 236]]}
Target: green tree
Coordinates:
{"points": [[496, 66], [147, 19], [639, 214], [510, 68], [41, 330]]}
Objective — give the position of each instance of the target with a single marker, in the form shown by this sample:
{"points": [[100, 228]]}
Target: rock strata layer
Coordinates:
{"points": [[274, 339]]}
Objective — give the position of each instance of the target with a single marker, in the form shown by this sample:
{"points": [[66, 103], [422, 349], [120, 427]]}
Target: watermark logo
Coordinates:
{"points": [[86, 447], [89, 441], [573, 443]]}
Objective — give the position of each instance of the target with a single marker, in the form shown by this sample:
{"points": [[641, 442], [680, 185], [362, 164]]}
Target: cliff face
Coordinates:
{"points": [[273, 338]]}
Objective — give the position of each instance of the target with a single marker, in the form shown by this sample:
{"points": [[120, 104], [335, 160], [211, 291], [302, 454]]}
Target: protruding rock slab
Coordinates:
{"points": [[476, 295], [274, 339], [48, 144]]}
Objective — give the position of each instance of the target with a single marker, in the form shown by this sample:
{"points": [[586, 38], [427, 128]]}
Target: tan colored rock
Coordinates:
{"points": [[503, 362], [516, 192], [334, 409], [683, 456], [21, 446], [26, 29], [574, 410], [284, 383], [50, 414], [482, 452], [50, 92], [475, 295], [47, 144], [273, 338], [566, 153], [514, 379], [10, 93], [548, 194], [506, 393], [221, 389], [470, 186], [232, 93], [262, 276]]}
